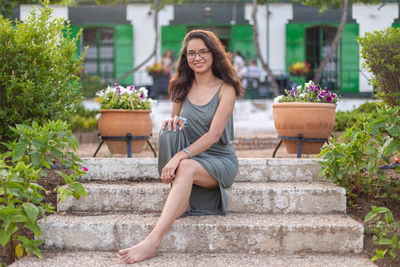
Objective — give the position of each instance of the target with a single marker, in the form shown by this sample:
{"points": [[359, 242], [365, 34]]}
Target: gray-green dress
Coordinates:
{"points": [[219, 160]]}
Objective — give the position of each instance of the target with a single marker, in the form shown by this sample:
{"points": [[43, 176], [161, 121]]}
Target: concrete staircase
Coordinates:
{"points": [[280, 214]]}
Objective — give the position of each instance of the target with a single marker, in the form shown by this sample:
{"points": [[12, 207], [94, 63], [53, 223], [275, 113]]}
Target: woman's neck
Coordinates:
{"points": [[205, 79]]}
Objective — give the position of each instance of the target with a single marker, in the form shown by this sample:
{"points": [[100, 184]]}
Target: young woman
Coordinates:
{"points": [[195, 153]]}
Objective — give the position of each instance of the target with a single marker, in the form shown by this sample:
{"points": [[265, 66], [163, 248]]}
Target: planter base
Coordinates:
{"points": [[126, 138], [298, 141]]}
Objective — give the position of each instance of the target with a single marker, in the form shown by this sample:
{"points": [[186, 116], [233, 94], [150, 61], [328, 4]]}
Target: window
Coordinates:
{"points": [[319, 40], [99, 58]]}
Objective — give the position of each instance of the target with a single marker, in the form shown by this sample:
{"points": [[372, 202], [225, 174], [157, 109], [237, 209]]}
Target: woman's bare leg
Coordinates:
{"points": [[189, 172]]}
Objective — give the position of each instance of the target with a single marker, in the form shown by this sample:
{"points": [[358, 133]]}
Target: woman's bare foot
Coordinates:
{"points": [[144, 250]]}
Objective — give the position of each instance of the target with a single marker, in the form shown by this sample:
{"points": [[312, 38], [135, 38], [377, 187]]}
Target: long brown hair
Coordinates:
{"points": [[222, 68]]}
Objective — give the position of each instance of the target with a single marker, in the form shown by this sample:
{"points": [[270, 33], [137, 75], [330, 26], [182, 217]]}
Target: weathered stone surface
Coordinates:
{"points": [[259, 198], [250, 170], [234, 233], [164, 259]]}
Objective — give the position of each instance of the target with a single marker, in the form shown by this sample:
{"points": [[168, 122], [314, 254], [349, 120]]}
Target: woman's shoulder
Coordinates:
{"points": [[227, 89]]}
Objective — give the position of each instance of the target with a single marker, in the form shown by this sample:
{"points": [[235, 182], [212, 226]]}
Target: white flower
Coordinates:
{"points": [[298, 88], [278, 99], [144, 91]]}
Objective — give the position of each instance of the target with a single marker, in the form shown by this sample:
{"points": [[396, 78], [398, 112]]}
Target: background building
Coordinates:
{"points": [[121, 36]]}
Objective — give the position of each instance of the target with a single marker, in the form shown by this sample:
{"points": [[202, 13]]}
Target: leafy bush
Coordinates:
{"points": [[385, 232], [84, 120], [91, 84], [38, 148], [353, 161], [38, 71], [381, 51], [347, 119]]}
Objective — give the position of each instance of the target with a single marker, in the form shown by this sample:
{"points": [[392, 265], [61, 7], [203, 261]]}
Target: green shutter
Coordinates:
{"points": [[171, 38], [295, 43], [349, 59], [241, 39], [74, 31], [396, 25], [123, 52]]}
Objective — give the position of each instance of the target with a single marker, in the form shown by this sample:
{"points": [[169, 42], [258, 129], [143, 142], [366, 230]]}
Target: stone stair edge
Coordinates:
{"points": [[293, 197], [233, 233], [111, 259]]}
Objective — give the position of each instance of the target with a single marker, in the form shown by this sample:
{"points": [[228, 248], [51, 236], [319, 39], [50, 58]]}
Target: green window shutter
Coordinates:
{"points": [[349, 57], [396, 25], [171, 38], [295, 43], [241, 39], [74, 31], [123, 52]]}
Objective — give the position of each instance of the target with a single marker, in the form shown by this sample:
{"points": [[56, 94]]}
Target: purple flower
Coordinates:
{"points": [[116, 84], [141, 96], [329, 98], [321, 96], [132, 87], [293, 91]]}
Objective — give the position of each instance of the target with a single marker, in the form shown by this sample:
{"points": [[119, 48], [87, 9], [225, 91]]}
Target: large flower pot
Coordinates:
{"points": [[312, 120], [120, 122]]}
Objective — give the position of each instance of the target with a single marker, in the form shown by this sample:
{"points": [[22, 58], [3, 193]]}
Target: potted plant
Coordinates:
{"points": [[124, 110], [160, 79], [309, 111], [298, 70]]}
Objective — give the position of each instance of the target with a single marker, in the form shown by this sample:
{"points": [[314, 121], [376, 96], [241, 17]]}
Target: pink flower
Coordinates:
{"points": [[85, 169]]}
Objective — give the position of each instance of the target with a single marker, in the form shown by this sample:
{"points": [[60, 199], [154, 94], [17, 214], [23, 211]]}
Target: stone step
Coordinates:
{"points": [[258, 198], [164, 259], [250, 170], [233, 233]]}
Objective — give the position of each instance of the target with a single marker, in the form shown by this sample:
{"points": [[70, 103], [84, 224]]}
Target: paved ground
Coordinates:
{"points": [[87, 150]]}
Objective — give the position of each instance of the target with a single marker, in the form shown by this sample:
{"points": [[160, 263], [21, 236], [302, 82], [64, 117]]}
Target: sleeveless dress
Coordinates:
{"points": [[219, 160]]}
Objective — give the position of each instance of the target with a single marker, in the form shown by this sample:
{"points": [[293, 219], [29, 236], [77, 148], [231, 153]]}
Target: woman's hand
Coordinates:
{"points": [[172, 123], [168, 172]]}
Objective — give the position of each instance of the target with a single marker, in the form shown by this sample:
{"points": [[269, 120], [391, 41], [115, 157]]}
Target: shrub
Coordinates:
{"points": [[347, 119], [353, 161], [38, 71], [83, 120], [386, 233], [90, 85], [381, 51], [38, 148]]}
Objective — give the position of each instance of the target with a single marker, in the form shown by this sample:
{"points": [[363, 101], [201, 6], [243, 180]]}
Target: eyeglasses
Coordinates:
{"points": [[202, 53]]}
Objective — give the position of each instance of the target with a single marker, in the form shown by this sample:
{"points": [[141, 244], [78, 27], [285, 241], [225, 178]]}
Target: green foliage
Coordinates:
{"points": [[84, 120], [347, 119], [354, 159], [323, 5], [386, 233], [38, 71], [21, 208], [90, 84], [381, 51], [37, 149]]}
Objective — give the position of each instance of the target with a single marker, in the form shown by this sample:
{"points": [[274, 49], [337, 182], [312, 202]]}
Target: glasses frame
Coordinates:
{"points": [[198, 53]]}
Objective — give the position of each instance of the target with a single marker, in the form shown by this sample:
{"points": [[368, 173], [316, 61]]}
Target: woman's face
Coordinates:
{"points": [[199, 57]]}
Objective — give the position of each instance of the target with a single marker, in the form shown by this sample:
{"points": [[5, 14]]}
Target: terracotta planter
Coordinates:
{"points": [[313, 120], [119, 122]]}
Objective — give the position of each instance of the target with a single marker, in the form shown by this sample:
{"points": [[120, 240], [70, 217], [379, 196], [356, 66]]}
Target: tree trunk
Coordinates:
{"points": [[126, 74], [274, 84], [336, 40]]}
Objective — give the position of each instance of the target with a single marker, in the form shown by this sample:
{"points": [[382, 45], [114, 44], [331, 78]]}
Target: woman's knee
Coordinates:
{"points": [[186, 168]]}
